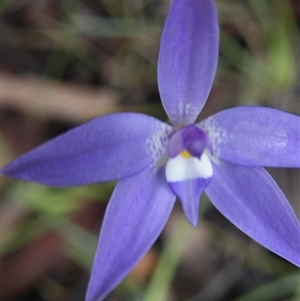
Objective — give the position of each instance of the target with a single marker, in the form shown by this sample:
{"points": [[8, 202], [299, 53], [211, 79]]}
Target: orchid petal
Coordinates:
{"points": [[135, 216], [107, 148], [188, 177], [189, 193], [255, 136], [188, 58], [253, 202]]}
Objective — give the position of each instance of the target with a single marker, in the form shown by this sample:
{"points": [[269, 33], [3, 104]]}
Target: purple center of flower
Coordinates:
{"points": [[189, 170], [188, 141]]}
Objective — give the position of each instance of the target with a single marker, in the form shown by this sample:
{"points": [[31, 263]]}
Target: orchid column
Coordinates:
{"points": [[156, 163]]}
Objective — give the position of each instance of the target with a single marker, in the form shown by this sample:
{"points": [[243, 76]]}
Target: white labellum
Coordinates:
{"points": [[181, 168]]}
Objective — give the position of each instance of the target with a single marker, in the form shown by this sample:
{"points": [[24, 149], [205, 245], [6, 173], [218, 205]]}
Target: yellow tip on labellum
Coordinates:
{"points": [[185, 154]]}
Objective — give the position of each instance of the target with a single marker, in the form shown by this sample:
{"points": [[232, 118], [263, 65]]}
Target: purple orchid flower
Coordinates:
{"points": [[222, 155]]}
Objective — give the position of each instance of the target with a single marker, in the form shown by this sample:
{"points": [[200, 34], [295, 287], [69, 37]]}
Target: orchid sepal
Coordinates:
{"points": [[107, 148], [136, 214], [254, 203], [188, 59], [255, 136]]}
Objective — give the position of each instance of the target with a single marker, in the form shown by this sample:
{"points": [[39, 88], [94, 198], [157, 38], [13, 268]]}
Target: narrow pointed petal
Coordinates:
{"points": [[135, 216], [188, 58], [255, 136], [253, 202], [107, 148], [189, 193], [188, 177]]}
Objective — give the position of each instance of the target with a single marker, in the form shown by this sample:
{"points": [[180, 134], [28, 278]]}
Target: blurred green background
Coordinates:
{"points": [[65, 62]]}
